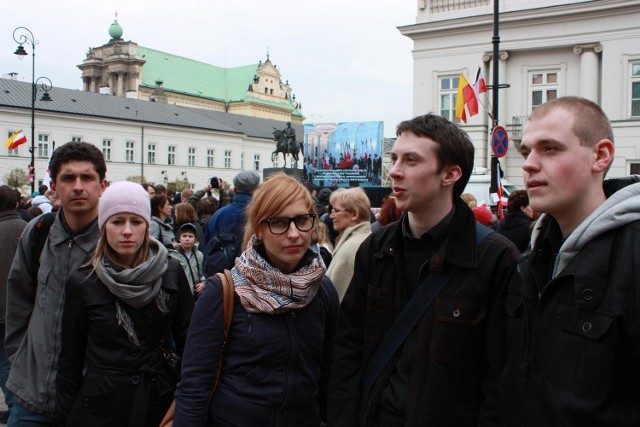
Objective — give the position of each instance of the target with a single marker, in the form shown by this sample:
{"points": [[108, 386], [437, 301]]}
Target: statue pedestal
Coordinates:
{"points": [[296, 173]]}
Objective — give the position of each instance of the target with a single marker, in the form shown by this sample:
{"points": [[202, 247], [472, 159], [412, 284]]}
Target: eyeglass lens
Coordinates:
{"points": [[279, 225]]}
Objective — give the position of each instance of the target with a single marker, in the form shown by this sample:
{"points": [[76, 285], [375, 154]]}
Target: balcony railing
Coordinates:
{"points": [[439, 6]]}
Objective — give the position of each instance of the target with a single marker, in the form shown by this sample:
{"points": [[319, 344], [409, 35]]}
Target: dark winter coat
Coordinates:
{"points": [[574, 323], [458, 344], [516, 227], [124, 384], [276, 366]]}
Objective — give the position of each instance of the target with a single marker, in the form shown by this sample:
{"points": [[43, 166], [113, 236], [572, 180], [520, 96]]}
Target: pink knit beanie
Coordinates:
{"points": [[122, 197]]}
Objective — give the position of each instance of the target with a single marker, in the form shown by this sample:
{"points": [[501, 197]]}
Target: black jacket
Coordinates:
{"points": [[458, 343], [123, 382], [515, 227], [574, 323]]}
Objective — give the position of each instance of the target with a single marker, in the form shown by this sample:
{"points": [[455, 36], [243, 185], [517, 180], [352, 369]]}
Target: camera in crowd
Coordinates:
{"points": [[214, 182]]}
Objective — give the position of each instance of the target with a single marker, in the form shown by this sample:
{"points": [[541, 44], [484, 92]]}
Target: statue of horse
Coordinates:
{"points": [[286, 147]]}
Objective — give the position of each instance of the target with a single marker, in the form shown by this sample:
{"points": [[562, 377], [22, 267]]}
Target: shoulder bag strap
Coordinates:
{"points": [[228, 294], [421, 299]]}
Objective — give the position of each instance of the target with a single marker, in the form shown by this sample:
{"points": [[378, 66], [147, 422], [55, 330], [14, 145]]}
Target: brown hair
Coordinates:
{"points": [[591, 123], [454, 148], [184, 212], [272, 196]]}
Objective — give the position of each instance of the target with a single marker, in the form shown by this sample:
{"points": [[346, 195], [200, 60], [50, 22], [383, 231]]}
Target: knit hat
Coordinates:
{"points": [[122, 197], [246, 181]]}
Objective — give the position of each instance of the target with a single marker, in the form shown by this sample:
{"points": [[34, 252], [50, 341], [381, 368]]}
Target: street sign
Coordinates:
{"points": [[499, 141]]}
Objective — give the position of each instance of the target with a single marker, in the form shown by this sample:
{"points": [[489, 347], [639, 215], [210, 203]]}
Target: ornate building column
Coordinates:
{"points": [[589, 66]]}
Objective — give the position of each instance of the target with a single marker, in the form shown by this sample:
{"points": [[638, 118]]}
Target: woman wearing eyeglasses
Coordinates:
{"points": [[277, 360], [351, 215]]}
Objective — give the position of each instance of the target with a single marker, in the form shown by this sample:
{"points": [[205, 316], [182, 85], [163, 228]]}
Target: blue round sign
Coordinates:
{"points": [[499, 141]]}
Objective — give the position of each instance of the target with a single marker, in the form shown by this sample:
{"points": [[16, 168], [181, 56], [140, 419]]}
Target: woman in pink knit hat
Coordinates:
{"points": [[124, 322]]}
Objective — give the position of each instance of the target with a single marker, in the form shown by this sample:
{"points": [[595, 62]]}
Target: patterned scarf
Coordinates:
{"points": [[262, 288]]}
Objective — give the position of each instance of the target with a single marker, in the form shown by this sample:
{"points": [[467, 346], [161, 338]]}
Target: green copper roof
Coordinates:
{"points": [[183, 75]]}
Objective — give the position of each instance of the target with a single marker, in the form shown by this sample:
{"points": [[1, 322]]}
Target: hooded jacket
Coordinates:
{"points": [[573, 323]]}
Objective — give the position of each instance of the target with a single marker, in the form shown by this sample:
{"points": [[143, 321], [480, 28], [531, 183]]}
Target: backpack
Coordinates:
{"points": [[221, 252], [39, 235]]}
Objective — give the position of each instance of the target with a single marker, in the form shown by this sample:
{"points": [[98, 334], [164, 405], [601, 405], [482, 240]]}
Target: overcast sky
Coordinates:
{"points": [[345, 60]]}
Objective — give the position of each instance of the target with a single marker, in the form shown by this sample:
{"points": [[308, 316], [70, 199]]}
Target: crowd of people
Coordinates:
{"points": [[430, 313]]}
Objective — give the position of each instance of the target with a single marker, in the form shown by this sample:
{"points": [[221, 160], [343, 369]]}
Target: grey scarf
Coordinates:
{"points": [[136, 286]]}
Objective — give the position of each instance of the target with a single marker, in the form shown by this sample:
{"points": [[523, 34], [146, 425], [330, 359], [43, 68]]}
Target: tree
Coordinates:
{"points": [[16, 178]]}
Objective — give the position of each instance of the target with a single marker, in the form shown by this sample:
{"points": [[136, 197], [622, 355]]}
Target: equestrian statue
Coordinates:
{"points": [[286, 144]]}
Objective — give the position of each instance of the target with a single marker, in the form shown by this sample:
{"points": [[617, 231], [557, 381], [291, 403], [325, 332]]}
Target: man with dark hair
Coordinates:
{"points": [[35, 286], [11, 226], [516, 224], [574, 306], [439, 366]]}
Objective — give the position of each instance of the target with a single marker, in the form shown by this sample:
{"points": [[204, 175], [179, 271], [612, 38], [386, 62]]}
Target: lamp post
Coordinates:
{"points": [[22, 36]]}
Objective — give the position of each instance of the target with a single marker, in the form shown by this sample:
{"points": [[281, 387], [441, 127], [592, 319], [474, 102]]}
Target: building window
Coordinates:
{"points": [[448, 96], [227, 159], [210, 153], [635, 89], [192, 156], [543, 87], [151, 154], [106, 149], [634, 168], [76, 139], [128, 152], [242, 160], [43, 145], [171, 158], [13, 152], [256, 162]]}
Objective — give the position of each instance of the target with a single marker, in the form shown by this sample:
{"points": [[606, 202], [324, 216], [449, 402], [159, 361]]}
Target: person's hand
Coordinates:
{"points": [[199, 287], [206, 188], [175, 245]]}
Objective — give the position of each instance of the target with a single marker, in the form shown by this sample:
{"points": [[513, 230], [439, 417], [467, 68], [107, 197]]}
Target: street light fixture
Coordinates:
{"points": [[22, 36]]}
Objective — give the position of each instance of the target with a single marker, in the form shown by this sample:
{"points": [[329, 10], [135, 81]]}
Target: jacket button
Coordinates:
{"points": [[456, 313], [587, 294], [86, 402], [587, 326], [135, 380]]}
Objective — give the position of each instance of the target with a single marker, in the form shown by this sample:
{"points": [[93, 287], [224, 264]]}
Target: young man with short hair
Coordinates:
{"points": [[574, 323], [446, 370], [35, 299]]}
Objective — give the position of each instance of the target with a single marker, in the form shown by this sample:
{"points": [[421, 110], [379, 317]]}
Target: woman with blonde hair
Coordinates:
{"points": [[351, 215], [122, 312], [277, 360]]}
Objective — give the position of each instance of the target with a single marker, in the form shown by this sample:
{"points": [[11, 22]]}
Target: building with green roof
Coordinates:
{"points": [[122, 68]]}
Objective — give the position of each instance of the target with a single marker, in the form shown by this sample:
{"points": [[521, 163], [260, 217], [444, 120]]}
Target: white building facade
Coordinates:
{"points": [[548, 49], [160, 142]]}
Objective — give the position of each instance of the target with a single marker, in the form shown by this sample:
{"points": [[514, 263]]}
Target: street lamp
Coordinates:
{"points": [[22, 36]]}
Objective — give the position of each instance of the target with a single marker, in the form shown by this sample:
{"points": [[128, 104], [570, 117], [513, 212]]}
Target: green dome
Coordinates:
{"points": [[115, 30]]}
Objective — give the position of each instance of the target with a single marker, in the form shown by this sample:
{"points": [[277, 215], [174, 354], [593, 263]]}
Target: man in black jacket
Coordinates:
{"points": [[574, 323], [446, 371]]}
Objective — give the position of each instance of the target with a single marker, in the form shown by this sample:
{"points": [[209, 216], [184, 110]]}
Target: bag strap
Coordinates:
{"points": [[421, 299], [39, 235], [228, 295], [147, 331]]}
